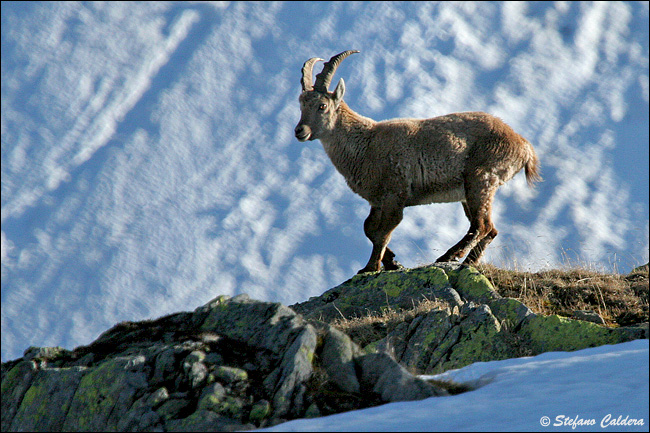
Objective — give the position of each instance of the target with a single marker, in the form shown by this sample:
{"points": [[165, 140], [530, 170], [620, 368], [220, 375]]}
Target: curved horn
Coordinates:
{"points": [[324, 79], [307, 68]]}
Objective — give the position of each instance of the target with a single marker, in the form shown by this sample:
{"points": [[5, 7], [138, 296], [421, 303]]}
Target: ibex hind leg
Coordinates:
{"points": [[460, 249], [476, 253], [478, 209]]}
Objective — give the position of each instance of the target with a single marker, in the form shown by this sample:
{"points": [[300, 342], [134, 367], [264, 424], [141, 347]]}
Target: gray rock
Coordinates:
{"points": [[195, 369], [165, 365], [424, 338], [197, 374], [510, 311], [141, 416], [136, 363], [104, 396], [212, 394], [295, 369], [396, 341], [141, 419], [15, 384], [338, 355], [49, 353], [260, 411], [213, 359], [157, 397], [45, 404], [231, 407], [313, 411], [195, 356], [393, 382], [206, 421], [588, 316], [477, 337], [229, 375], [263, 325], [172, 408]]}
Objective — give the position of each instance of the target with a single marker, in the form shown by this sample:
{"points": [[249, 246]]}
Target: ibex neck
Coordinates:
{"points": [[346, 144], [350, 121], [349, 127]]}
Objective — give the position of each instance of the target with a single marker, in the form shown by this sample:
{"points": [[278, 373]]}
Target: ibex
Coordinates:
{"points": [[406, 162]]}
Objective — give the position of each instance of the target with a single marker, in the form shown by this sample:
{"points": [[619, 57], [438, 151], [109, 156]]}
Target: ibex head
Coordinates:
{"points": [[317, 105]]}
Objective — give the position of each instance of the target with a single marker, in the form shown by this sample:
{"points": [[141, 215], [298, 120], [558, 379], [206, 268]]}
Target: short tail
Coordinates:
{"points": [[532, 169]]}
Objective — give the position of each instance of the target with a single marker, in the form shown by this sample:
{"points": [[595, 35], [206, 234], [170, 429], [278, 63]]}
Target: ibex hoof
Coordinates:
{"points": [[444, 259], [367, 270], [393, 266]]}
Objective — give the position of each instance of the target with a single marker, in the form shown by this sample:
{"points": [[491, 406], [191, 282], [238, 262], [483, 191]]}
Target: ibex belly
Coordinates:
{"points": [[444, 196]]}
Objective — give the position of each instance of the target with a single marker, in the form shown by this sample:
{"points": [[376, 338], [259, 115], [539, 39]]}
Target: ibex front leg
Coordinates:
{"points": [[378, 227]]}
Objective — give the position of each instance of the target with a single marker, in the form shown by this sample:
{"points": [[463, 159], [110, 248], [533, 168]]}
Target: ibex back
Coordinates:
{"points": [[406, 162]]}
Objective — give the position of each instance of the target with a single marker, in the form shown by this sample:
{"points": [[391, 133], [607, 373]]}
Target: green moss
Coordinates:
{"points": [[393, 291], [230, 374], [436, 365], [510, 311], [308, 354], [33, 393], [35, 404], [393, 283], [372, 347], [45, 403], [430, 337], [434, 326], [96, 396], [15, 376], [432, 276], [344, 306], [555, 333], [230, 406], [390, 282], [210, 402], [473, 285], [482, 343], [260, 411]]}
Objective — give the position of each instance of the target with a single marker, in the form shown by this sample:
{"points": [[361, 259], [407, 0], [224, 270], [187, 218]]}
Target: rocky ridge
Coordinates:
{"points": [[237, 363]]}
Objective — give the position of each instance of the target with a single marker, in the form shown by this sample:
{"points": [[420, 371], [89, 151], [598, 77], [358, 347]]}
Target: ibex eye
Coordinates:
{"points": [[322, 107]]}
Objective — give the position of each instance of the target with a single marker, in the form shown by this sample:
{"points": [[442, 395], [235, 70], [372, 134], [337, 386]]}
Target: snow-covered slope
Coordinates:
{"points": [[149, 164]]}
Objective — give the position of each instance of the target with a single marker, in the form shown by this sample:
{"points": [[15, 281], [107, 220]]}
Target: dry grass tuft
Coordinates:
{"points": [[621, 300], [367, 329]]}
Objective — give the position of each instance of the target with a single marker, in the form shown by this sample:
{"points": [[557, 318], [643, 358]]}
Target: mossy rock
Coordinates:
{"points": [[260, 411], [372, 293], [472, 285], [556, 333], [103, 391], [480, 338], [45, 404]]}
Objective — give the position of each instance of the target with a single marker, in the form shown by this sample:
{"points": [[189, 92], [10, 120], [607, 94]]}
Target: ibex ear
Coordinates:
{"points": [[339, 92]]}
